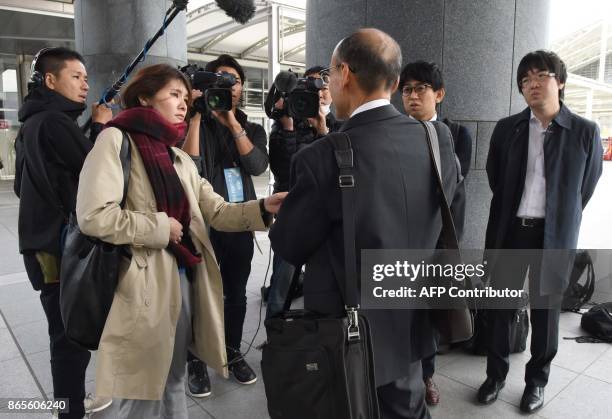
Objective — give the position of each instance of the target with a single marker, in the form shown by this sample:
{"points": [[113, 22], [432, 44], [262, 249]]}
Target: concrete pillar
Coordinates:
{"points": [[273, 65], [110, 34], [478, 45]]}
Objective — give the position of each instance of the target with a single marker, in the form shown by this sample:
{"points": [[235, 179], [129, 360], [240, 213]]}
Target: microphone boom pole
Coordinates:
{"points": [[171, 13]]}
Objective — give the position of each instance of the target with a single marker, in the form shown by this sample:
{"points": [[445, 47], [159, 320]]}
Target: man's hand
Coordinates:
{"points": [[286, 121], [273, 203], [195, 94], [176, 230], [101, 113], [228, 119], [319, 123]]}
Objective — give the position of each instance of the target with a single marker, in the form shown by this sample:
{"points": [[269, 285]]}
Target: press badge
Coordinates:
{"points": [[233, 182]]}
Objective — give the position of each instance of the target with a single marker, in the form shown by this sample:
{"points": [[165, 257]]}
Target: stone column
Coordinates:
{"points": [[111, 33], [478, 45]]}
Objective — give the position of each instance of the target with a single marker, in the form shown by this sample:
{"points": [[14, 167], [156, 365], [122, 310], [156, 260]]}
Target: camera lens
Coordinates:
{"points": [[214, 101], [219, 99]]}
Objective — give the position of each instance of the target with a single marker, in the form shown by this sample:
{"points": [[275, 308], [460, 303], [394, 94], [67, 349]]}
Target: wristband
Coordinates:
{"points": [[242, 133]]}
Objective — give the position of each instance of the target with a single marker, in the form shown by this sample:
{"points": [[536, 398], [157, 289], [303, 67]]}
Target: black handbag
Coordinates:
{"points": [[453, 324], [519, 329], [322, 367], [598, 323], [89, 273]]}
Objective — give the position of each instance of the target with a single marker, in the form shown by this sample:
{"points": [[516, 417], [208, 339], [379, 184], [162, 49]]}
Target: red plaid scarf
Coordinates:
{"points": [[153, 136]]}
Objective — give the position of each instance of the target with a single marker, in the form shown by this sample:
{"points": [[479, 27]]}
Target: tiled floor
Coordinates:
{"points": [[580, 382]]}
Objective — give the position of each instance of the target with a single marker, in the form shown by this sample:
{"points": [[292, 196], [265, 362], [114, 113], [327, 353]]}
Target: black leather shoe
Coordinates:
{"points": [[197, 379], [489, 390], [242, 372], [533, 399]]}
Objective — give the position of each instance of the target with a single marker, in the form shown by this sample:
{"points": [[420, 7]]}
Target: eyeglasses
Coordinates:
{"points": [[420, 89], [325, 73], [539, 78]]}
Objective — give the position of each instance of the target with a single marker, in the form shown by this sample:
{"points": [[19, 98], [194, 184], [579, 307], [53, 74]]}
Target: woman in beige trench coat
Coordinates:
{"points": [[169, 297]]}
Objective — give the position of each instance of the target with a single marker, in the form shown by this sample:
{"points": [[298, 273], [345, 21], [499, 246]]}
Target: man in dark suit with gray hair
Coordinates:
{"points": [[395, 202]]}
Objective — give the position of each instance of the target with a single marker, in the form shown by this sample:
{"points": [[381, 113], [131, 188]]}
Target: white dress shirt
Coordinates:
{"points": [[433, 118], [533, 201], [377, 103]]}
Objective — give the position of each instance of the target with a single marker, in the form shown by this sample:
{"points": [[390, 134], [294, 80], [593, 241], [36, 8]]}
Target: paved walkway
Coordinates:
{"points": [[580, 383]]}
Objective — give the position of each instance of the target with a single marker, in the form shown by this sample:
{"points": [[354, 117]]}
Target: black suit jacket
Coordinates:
{"points": [[396, 207], [462, 141], [573, 164]]}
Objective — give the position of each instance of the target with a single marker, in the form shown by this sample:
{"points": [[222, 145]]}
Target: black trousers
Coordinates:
{"points": [[544, 321], [405, 397], [68, 361], [234, 253], [429, 366]]}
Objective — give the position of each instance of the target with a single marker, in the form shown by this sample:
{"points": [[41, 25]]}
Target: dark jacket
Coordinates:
{"points": [[50, 151], [396, 207], [218, 151], [462, 141], [573, 164], [463, 144], [284, 144]]}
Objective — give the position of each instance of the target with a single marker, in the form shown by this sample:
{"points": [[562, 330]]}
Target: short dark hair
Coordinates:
{"points": [[148, 81], [314, 70], [225, 60], [54, 60], [542, 60], [424, 72], [367, 60]]}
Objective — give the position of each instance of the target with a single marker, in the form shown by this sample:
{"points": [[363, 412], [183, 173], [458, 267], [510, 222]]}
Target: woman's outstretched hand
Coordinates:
{"points": [[274, 201]]}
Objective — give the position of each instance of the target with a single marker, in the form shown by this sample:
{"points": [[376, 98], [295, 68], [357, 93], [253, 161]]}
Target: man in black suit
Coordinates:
{"points": [[396, 207], [422, 87], [543, 166]]}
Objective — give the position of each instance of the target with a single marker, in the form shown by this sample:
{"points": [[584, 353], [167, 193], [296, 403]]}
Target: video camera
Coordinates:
{"points": [[300, 96], [217, 88]]}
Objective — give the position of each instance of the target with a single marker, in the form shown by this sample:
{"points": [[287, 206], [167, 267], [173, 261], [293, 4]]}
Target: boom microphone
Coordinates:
{"points": [[239, 10]]}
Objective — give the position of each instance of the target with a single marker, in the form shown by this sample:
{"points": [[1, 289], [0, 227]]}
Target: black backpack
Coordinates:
{"points": [[597, 322], [577, 294]]}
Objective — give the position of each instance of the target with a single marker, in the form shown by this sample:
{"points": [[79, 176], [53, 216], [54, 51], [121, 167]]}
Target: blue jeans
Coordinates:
{"points": [[280, 282]]}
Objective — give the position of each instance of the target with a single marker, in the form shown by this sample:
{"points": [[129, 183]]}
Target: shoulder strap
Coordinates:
{"points": [[448, 237], [125, 155], [346, 181]]}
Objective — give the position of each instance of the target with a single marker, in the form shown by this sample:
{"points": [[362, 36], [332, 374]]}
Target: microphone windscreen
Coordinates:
{"points": [[239, 10], [285, 81]]}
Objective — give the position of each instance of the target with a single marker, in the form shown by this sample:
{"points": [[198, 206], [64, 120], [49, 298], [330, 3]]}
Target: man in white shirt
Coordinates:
{"points": [[543, 166]]}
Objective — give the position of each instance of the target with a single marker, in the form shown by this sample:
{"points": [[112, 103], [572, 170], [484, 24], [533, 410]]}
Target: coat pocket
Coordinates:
{"points": [[132, 280]]}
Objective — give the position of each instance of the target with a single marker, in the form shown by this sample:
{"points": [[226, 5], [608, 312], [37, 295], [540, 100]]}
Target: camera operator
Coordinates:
{"points": [[228, 150], [288, 136]]}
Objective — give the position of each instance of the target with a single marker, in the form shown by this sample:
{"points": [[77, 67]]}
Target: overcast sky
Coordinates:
{"points": [[567, 16]]}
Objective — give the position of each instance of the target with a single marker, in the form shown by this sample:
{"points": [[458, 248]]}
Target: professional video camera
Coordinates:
{"points": [[217, 88], [300, 96]]}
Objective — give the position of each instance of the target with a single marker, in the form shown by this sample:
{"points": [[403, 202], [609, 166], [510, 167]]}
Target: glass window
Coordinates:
{"points": [[9, 105]]}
